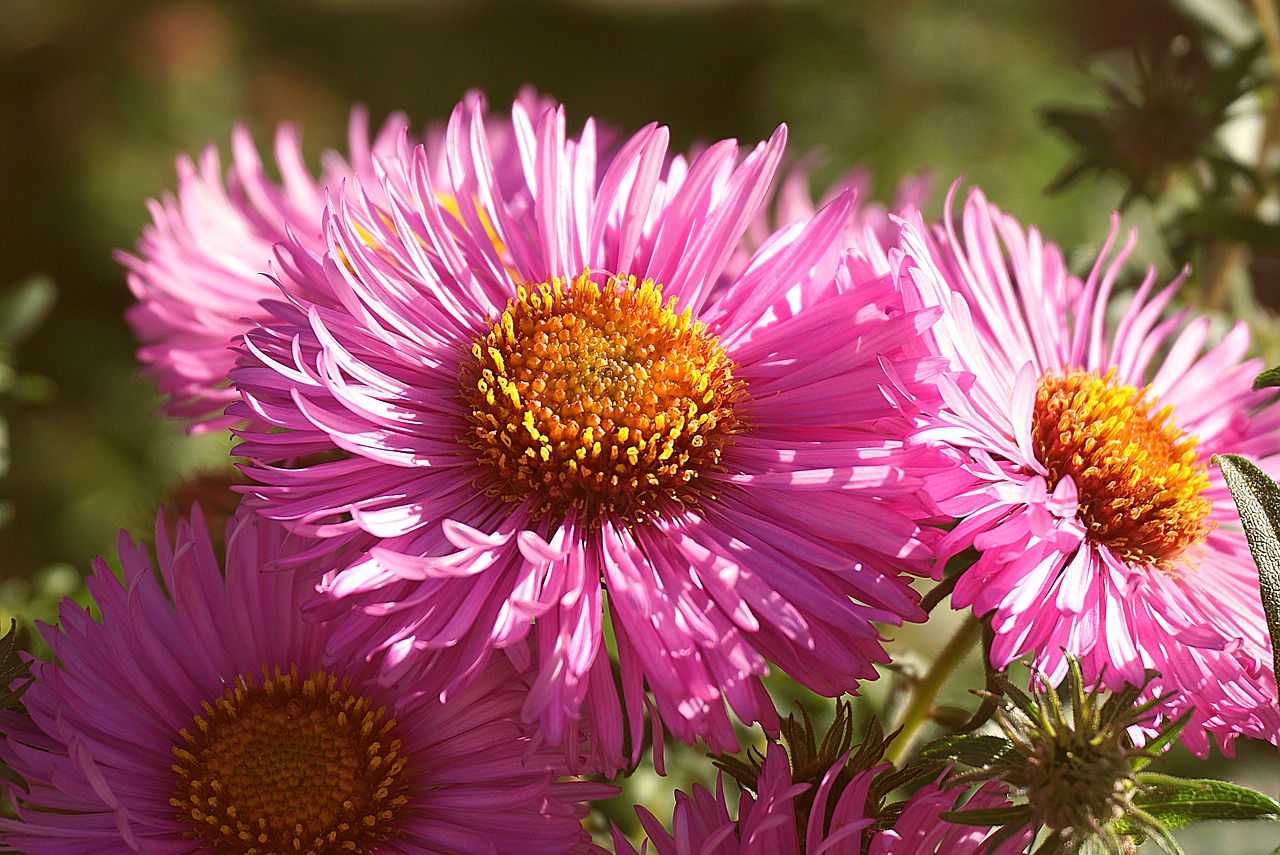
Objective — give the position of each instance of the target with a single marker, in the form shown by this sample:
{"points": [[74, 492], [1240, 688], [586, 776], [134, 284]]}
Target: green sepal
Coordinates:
{"points": [[1168, 733], [972, 749], [1257, 499], [1270, 377], [1175, 802]]}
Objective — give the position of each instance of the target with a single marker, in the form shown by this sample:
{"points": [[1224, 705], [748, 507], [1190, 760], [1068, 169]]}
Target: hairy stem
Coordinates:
{"points": [[926, 691]]}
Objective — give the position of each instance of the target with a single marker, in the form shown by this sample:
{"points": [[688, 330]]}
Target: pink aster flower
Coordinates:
{"points": [[831, 816], [1085, 483], [204, 720], [198, 271], [872, 228], [545, 400]]}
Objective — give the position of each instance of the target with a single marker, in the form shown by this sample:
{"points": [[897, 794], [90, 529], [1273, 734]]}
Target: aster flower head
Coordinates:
{"points": [[204, 720], [1075, 770], [1084, 446], [544, 395], [198, 271], [830, 798], [1071, 766]]}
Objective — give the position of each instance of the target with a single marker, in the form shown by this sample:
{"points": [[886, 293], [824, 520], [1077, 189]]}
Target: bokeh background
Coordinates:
{"points": [[97, 97]]}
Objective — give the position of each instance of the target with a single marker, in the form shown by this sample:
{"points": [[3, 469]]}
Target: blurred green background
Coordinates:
{"points": [[98, 96]]}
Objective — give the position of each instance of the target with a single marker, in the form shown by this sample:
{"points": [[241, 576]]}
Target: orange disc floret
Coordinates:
{"points": [[300, 766], [1139, 478], [600, 397]]}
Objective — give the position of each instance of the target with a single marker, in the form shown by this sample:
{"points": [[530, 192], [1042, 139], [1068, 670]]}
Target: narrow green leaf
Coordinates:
{"points": [[990, 816], [1165, 840], [1270, 377], [12, 668], [971, 749], [1257, 499], [1086, 128], [15, 675], [1175, 802], [1168, 733], [23, 308], [13, 778], [1052, 845], [1241, 227]]}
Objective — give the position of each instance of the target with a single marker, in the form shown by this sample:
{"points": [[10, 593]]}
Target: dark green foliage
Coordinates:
{"points": [[811, 760], [15, 677], [1257, 498], [1078, 774], [1163, 121]]}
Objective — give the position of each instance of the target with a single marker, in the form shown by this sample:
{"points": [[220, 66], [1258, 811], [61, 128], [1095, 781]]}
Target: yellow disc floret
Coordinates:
{"points": [[600, 397], [290, 766], [1139, 478]]}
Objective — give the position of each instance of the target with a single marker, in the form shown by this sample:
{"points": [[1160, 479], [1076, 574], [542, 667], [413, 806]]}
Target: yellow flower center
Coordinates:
{"points": [[601, 398], [300, 767], [1140, 484]]}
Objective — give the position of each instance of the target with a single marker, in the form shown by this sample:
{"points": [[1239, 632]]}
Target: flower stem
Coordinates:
{"points": [[1269, 23], [1225, 258], [921, 703]]}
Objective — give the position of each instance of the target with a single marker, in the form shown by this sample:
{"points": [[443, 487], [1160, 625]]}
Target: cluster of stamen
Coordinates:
{"points": [[291, 766], [599, 397], [1139, 480]]}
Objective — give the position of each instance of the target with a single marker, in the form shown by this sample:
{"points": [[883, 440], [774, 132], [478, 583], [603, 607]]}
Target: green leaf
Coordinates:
{"points": [[1175, 802], [1270, 377], [971, 749], [1165, 840], [24, 308], [990, 816], [1257, 498], [1232, 225], [1167, 735], [1094, 845], [15, 677]]}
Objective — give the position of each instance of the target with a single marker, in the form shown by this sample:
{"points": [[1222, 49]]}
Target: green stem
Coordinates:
{"points": [[1269, 22], [1224, 258], [1221, 260], [921, 703]]}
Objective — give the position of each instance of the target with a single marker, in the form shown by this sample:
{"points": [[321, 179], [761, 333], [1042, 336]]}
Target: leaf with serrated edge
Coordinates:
{"points": [[1176, 802], [1257, 499]]}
